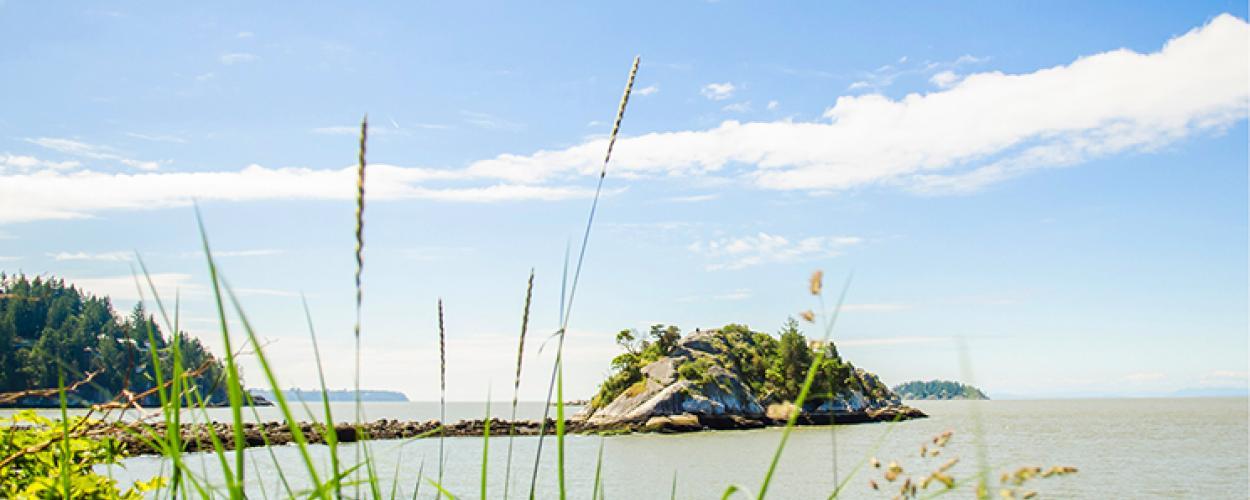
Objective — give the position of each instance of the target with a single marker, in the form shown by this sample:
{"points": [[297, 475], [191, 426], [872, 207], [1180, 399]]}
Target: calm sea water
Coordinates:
{"points": [[1124, 448]]}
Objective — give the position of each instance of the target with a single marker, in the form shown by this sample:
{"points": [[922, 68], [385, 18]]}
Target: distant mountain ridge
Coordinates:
{"points": [[938, 389], [339, 395]]}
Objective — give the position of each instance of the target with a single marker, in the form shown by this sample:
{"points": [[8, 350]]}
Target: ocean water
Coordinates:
{"points": [[1124, 448]]}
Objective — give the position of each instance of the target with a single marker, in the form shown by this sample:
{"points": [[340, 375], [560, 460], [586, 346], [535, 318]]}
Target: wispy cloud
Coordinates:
{"points": [[9, 258], [124, 288], [718, 91], [987, 128], [158, 137], [244, 34], [764, 248], [57, 195], [92, 151], [354, 130], [118, 256], [648, 90], [259, 252], [26, 163], [489, 121], [232, 58], [885, 76], [738, 107], [694, 198]]}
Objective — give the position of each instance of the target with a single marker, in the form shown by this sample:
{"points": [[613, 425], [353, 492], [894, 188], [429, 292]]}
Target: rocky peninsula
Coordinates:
{"points": [[723, 379]]}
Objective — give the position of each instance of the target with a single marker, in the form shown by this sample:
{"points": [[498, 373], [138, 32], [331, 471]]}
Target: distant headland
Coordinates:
{"points": [[334, 395]]}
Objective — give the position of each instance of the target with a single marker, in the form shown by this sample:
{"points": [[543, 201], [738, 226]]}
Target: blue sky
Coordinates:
{"points": [[1062, 185]]}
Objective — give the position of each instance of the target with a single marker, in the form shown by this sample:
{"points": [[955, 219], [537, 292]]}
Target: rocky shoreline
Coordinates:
{"points": [[196, 437]]}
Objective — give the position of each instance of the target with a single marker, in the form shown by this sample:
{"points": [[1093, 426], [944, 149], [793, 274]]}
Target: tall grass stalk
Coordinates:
{"points": [[807, 383], [516, 382], [360, 265], [442, 392], [568, 309]]}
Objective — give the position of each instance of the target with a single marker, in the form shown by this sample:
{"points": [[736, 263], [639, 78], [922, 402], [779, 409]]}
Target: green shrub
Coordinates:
{"points": [[42, 462]]}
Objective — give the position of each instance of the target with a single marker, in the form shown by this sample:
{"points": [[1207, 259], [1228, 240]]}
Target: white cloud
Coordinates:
{"points": [[944, 79], [24, 163], [59, 195], [84, 150], [772, 105], [738, 107], [718, 91], [118, 256], [764, 248], [986, 128], [245, 34], [648, 90], [237, 58], [9, 258]]}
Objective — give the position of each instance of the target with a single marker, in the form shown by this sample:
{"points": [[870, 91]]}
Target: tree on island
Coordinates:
{"points": [[773, 367]]}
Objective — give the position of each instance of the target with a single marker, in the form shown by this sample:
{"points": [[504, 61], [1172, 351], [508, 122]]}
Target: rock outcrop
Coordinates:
{"points": [[719, 397]]}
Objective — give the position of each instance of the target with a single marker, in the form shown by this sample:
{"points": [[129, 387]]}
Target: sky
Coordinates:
{"points": [[1060, 187]]}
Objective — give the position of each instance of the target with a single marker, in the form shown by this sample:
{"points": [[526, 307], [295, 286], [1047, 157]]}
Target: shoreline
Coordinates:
{"points": [[196, 437]]}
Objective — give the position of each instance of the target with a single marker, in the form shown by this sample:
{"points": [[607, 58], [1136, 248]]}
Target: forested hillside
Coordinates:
{"points": [[48, 327]]}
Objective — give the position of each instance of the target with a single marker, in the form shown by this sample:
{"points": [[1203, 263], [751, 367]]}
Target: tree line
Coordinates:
{"points": [[50, 330]]}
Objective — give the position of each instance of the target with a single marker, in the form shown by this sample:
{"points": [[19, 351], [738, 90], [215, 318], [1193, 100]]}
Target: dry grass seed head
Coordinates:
{"points": [[817, 282]]}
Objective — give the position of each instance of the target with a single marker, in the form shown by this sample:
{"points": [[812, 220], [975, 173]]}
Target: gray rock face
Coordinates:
{"points": [[721, 393]]}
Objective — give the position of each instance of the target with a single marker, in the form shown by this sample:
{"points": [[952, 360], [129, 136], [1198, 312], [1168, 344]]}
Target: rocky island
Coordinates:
{"points": [[938, 389], [734, 378]]}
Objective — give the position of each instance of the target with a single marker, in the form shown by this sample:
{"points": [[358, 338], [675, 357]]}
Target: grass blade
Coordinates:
{"points": [[233, 389], [594, 495], [567, 309], [330, 436], [485, 444], [516, 384], [807, 385]]}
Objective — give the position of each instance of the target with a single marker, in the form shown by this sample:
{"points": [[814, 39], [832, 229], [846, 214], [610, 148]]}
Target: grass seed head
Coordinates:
{"points": [[817, 282]]}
